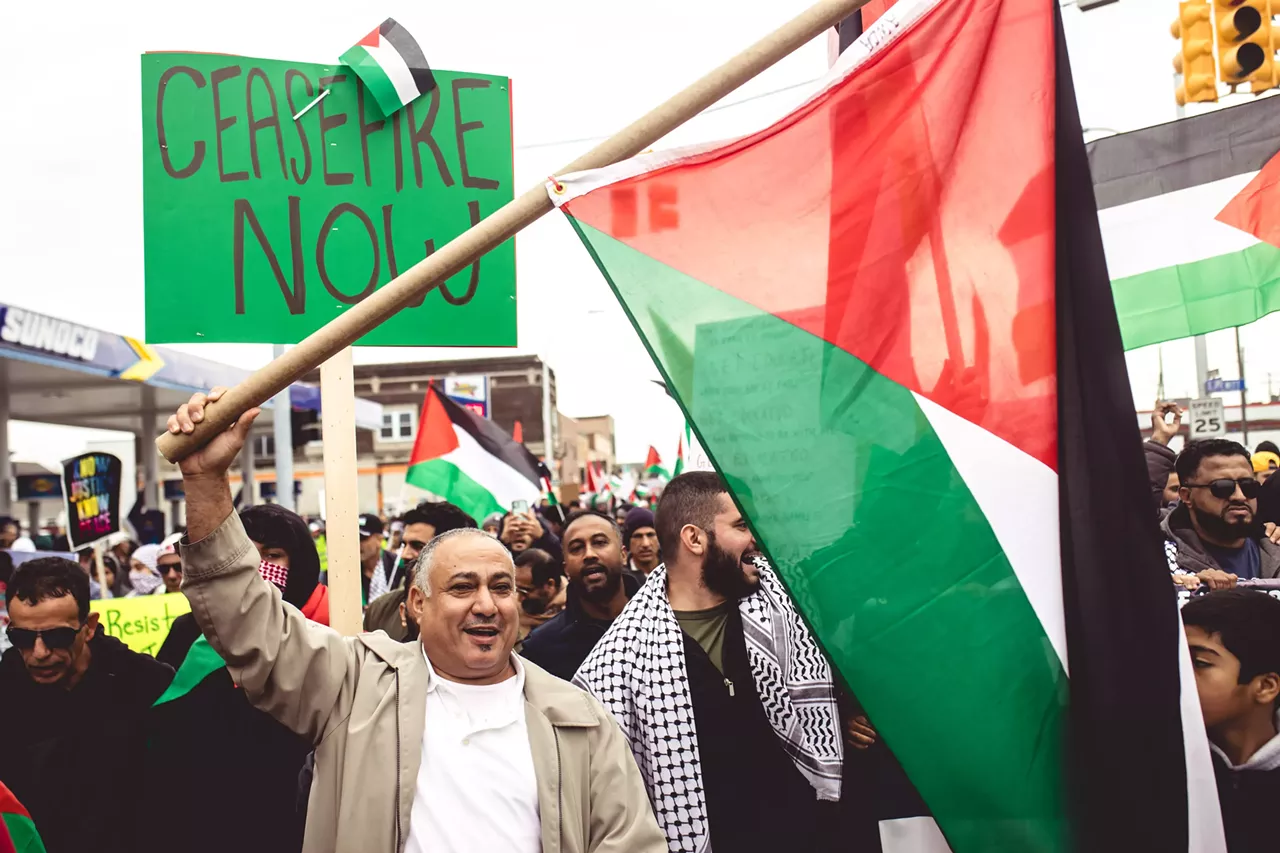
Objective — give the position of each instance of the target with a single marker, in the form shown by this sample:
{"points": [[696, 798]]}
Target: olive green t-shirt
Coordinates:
{"points": [[707, 629]]}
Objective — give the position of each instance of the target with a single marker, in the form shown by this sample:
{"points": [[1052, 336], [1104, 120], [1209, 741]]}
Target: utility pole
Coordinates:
{"points": [[1244, 417]]}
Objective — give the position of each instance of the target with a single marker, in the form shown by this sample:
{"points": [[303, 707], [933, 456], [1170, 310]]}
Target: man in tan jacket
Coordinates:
{"points": [[450, 744]]}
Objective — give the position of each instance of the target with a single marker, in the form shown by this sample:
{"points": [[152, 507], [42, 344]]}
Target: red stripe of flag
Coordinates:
{"points": [[436, 436]]}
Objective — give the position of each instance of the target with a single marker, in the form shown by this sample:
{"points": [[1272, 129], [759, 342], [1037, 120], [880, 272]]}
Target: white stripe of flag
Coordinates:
{"points": [[396, 69]]}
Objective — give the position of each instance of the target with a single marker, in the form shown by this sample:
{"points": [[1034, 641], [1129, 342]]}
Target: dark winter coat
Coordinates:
{"points": [[74, 757], [233, 769], [562, 643], [1185, 550], [1160, 461], [1248, 794]]}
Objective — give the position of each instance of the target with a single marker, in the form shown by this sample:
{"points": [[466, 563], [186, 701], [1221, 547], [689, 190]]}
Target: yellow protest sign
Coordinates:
{"points": [[141, 623]]}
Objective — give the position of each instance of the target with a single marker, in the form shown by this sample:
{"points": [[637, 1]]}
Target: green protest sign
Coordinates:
{"points": [[261, 228]]}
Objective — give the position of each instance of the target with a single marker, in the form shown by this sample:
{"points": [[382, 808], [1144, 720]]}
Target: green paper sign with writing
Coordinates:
{"points": [[261, 228]]}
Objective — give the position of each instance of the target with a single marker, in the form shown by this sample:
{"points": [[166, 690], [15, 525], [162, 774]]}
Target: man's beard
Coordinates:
{"points": [[722, 573], [606, 591], [534, 606], [1221, 529]]}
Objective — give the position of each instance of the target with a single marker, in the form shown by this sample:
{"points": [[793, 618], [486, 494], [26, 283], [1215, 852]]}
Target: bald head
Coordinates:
{"points": [[455, 548]]}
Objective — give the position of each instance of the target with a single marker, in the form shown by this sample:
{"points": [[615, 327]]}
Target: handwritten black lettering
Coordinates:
{"points": [[325, 229], [197, 155], [257, 124], [367, 129], [421, 134], [220, 123], [289, 76], [296, 298], [327, 123], [460, 128]]}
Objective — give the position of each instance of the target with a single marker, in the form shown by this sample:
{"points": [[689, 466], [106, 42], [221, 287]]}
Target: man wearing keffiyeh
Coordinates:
{"points": [[725, 697]]}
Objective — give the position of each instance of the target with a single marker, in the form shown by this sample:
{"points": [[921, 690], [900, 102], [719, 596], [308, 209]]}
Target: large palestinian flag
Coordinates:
{"points": [[888, 319], [470, 461], [1183, 207]]}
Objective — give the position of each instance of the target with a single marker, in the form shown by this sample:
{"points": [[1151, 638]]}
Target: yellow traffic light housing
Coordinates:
{"points": [[1194, 60], [1245, 51]]}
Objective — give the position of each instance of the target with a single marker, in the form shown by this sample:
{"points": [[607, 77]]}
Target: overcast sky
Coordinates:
{"points": [[71, 233]]}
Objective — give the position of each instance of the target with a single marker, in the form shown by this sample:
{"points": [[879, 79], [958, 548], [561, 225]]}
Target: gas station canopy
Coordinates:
{"points": [[58, 372]]}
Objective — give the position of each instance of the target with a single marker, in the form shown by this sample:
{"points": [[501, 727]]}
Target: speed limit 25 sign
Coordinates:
{"points": [[1208, 418]]}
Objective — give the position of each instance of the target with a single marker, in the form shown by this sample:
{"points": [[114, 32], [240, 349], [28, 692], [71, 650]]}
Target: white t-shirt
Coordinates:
{"points": [[476, 787]]}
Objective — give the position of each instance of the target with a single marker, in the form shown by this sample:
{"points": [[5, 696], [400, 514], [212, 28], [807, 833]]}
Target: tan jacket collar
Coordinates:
{"points": [[561, 702]]}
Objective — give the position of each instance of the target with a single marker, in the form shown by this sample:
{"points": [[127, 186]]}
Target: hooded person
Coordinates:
{"points": [[144, 577], [227, 757]]}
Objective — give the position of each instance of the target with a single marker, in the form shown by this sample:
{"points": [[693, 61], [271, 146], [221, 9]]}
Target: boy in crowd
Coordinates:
{"points": [[1234, 637]]}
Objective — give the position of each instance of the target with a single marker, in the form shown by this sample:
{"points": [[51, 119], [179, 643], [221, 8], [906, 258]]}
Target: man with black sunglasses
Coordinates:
{"points": [[1212, 536], [74, 702]]}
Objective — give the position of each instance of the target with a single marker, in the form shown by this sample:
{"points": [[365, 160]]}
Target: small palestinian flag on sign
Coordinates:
{"points": [[391, 65]]}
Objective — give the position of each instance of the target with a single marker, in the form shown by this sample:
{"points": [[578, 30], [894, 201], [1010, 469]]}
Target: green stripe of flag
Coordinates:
{"points": [[374, 77], [201, 662], [882, 544], [1196, 298], [451, 483], [23, 834]]}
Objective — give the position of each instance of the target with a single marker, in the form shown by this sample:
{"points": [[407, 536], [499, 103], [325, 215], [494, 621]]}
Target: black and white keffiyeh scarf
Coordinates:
{"points": [[637, 671]]}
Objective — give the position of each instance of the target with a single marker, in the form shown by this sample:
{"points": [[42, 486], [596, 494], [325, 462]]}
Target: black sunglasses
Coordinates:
{"points": [[173, 567], [54, 638], [1225, 488]]}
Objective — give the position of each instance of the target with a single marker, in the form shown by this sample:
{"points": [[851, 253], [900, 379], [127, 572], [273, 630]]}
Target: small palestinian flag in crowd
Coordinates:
{"points": [[679, 469], [391, 65], [653, 466], [17, 832], [470, 461], [596, 492], [924, 282]]}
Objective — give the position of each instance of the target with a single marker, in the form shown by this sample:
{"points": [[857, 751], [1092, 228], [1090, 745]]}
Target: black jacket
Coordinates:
{"points": [[231, 770], [73, 757], [1247, 798], [1189, 554], [757, 800], [562, 643]]}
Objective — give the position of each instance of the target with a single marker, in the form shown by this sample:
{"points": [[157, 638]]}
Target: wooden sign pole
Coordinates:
{"points": [[338, 417], [494, 230], [103, 589]]}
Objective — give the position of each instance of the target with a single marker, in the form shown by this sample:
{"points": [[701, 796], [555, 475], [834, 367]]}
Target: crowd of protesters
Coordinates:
{"points": [[549, 678], [1218, 506]]}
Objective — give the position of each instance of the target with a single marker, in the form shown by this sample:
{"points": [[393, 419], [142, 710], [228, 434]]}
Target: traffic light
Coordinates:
{"points": [[1194, 61], [1245, 51]]}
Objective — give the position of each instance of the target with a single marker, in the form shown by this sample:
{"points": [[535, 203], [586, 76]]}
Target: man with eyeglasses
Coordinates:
{"points": [[75, 702], [423, 523], [1212, 537]]}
